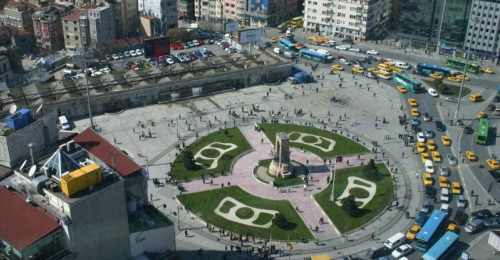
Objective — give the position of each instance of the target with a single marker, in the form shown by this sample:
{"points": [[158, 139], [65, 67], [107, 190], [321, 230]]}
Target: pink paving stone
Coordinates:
{"points": [[242, 175]]}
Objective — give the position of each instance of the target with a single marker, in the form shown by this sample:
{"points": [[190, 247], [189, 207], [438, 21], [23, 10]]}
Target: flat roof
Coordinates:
{"points": [[21, 223], [106, 152]]}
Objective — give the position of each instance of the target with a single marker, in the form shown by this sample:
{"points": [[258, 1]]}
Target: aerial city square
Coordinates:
{"points": [[249, 129]]}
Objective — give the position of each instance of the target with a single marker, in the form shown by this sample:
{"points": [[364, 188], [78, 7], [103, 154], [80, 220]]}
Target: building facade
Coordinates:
{"points": [[165, 10], [126, 15], [47, 27], [483, 30], [5, 70], [18, 16], [186, 9], [87, 27], [354, 19]]}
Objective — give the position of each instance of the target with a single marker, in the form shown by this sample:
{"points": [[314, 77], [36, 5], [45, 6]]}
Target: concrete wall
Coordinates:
{"points": [[157, 240], [141, 96], [136, 188], [99, 224], [43, 133]]}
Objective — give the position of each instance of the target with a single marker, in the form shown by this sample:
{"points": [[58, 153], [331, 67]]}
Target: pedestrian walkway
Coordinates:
{"points": [[300, 197]]}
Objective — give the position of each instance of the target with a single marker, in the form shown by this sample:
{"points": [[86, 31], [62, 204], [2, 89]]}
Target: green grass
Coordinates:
{"points": [[210, 153], [244, 213], [342, 220], [179, 171], [228, 205], [263, 218], [151, 218], [204, 203], [290, 181], [343, 146]]}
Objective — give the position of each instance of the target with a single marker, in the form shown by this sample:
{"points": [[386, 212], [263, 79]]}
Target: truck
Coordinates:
{"points": [[301, 77]]}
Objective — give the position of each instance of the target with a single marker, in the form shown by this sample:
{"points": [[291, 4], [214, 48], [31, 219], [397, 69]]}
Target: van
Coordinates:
{"points": [[401, 65], [64, 123], [395, 240]]}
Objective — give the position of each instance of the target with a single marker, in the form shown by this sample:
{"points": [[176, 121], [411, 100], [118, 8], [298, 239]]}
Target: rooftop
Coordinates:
{"points": [[23, 224], [73, 16], [148, 218], [106, 152]]}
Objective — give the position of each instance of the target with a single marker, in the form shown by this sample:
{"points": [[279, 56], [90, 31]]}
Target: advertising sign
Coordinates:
{"points": [[250, 35], [258, 5], [156, 47], [231, 27]]}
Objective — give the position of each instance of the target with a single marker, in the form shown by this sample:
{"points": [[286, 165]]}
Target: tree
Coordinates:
{"points": [[350, 206], [188, 159], [371, 170], [281, 221]]}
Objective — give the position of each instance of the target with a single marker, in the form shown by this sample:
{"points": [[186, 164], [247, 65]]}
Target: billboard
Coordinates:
{"points": [[156, 47], [250, 35], [230, 27], [258, 5]]}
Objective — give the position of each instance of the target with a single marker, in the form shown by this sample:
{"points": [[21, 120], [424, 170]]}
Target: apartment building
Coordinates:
{"points": [[5, 71], [165, 10], [126, 15], [483, 30], [354, 19], [47, 27], [18, 15]]}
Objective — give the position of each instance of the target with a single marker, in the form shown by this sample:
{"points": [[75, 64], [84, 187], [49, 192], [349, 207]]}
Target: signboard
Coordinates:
{"points": [[231, 27], [258, 5], [156, 47], [250, 35]]}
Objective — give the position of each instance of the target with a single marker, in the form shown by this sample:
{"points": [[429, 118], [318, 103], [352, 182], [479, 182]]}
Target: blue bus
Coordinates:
{"points": [[427, 69], [316, 55], [441, 248], [407, 82], [287, 44], [426, 236]]}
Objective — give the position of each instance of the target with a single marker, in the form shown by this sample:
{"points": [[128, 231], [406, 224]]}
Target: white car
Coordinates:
{"points": [[445, 207], [343, 47], [354, 49], [372, 52], [132, 53], [461, 201], [445, 195], [344, 61], [401, 251], [138, 52], [115, 56], [444, 171], [429, 166], [126, 54], [105, 70], [432, 92], [421, 137]]}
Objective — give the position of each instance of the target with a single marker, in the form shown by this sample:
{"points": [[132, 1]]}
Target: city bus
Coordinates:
{"points": [[287, 44], [316, 55], [408, 82], [482, 131], [459, 64], [441, 249], [427, 69], [426, 236]]}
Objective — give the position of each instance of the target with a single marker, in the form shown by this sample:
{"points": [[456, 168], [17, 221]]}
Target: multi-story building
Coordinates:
{"points": [[150, 26], [89, 26], [126, 15], [47, 27], [18, 15], [354, 19], [5, 71], [421, 20], [483, 30], [96, 197], [185, 9], [165, 10]]}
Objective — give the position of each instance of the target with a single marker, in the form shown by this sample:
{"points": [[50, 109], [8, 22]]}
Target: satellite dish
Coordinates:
{"points": [[13, 109], [32, 171], [22, 166]]}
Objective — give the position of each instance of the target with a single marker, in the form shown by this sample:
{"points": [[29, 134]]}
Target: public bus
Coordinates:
{"points": [[287, 44], [426, 236], [408, 82], [459, 64], [482, 131], [316, 55], [442, 248], [427, 69]]}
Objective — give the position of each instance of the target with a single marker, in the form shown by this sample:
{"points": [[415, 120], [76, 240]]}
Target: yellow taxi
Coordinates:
{"points": [[395, 69], [487, 70], [454, 79], [443, 182], [357, 70], [424, 157], [421, 148], [427, 179], [371, 69], [412, 102], [436, 156], [456, 188], [383, 74], [453, 227], [476, 97], [445, 139], [461, 76], [414, 112], [493, 164], [337, 67], [436, 76], [412, 232], [431, 145], [402, 90], [470, 155], [481, 114]]}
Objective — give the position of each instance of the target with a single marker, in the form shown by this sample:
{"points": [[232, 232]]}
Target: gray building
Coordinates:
{"points": [[483, 31], [101, 23], [5, 71]]}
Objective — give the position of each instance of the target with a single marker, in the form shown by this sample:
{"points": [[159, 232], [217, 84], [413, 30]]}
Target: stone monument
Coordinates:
{"points": [[280, 165]]}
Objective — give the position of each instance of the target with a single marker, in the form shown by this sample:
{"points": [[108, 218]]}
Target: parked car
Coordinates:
{"points": [[482, 214], [401, 251], [474, 225], [440, 126], [372, 52], [452, 160], [468, 130]]}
